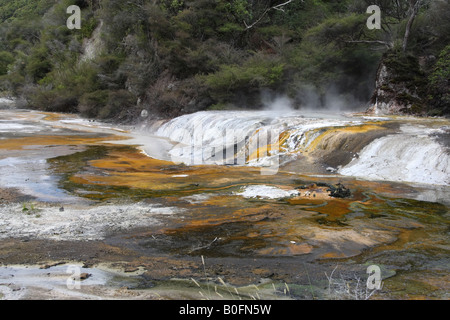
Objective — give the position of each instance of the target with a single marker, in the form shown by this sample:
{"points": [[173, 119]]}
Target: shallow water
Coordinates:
{"points": [[234, 212]]}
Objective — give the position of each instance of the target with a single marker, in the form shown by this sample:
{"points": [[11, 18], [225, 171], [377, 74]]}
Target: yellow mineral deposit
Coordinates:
{"points": [[332, 137]]}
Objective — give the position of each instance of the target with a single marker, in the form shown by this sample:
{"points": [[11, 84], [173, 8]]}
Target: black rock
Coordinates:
{"points": [[339, 191]]}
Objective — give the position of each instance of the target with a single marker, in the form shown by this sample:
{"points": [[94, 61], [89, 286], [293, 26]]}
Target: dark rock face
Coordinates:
{"points": [[400, 86]]}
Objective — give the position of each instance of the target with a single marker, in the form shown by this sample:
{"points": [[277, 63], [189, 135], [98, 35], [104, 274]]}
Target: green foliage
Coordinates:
{"points": [[337, 29], [15, 79], [257, 72], [20, 34], [60, 90], [180, 56], [120, 105], [439, 83], [30, 209], [54, 100], [23, 9], [38, 64], [173, 6], [441, 73], [405, 69], [302, 15], [106, 104], [88, 26], [6, 58], [92, 102]]}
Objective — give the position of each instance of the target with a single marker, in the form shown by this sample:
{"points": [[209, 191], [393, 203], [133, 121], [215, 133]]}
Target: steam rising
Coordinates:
{"points": [[310, 98]]}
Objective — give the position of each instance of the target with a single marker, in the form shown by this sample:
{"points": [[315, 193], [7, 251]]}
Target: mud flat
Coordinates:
{"points": [[44, 221]]}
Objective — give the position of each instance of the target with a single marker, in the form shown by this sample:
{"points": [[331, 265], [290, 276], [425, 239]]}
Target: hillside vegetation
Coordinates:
{"points": [[172, 57]]}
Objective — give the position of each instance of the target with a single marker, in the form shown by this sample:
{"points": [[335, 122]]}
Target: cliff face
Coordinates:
{"points": [[400, 86], [93, 46], [410, 85]]}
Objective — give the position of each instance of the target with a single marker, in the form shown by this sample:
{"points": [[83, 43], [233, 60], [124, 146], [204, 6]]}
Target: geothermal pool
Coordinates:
{"points": [[231, 199]]}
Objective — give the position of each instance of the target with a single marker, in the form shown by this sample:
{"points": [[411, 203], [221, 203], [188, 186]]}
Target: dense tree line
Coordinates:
{"points": [[177, 56]]}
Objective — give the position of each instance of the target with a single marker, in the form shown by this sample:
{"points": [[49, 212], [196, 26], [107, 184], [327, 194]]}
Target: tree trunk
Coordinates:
{"points": [[414, 10]]}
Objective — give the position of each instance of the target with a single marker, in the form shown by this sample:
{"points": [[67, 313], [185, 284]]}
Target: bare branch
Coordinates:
{"points": [[259, 19], [414, 9], [387, 44], [279, 7]]}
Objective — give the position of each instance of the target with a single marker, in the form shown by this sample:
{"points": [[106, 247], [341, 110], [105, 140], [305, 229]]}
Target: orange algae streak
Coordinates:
{"points": [[289, 250], [49, 116], [334, 133], [333, 208], [20, 143], [131, 161], [333, 255], [268, 149], [135, 170], [331, 137], [243, 215]]}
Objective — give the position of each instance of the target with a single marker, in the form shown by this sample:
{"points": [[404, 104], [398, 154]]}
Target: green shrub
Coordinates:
{"points": [[52, 100], [439, 83], [38, 64], [441, 73], [22, 9], [6, 58], [257, 72], [88, 26], [91, 103], [120, 105]]}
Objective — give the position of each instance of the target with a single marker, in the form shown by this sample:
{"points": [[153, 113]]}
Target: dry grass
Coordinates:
{"points": [[340, 288]]}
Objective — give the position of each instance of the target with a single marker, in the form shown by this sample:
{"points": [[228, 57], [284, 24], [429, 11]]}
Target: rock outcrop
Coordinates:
{"points": [[400, 86]]}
